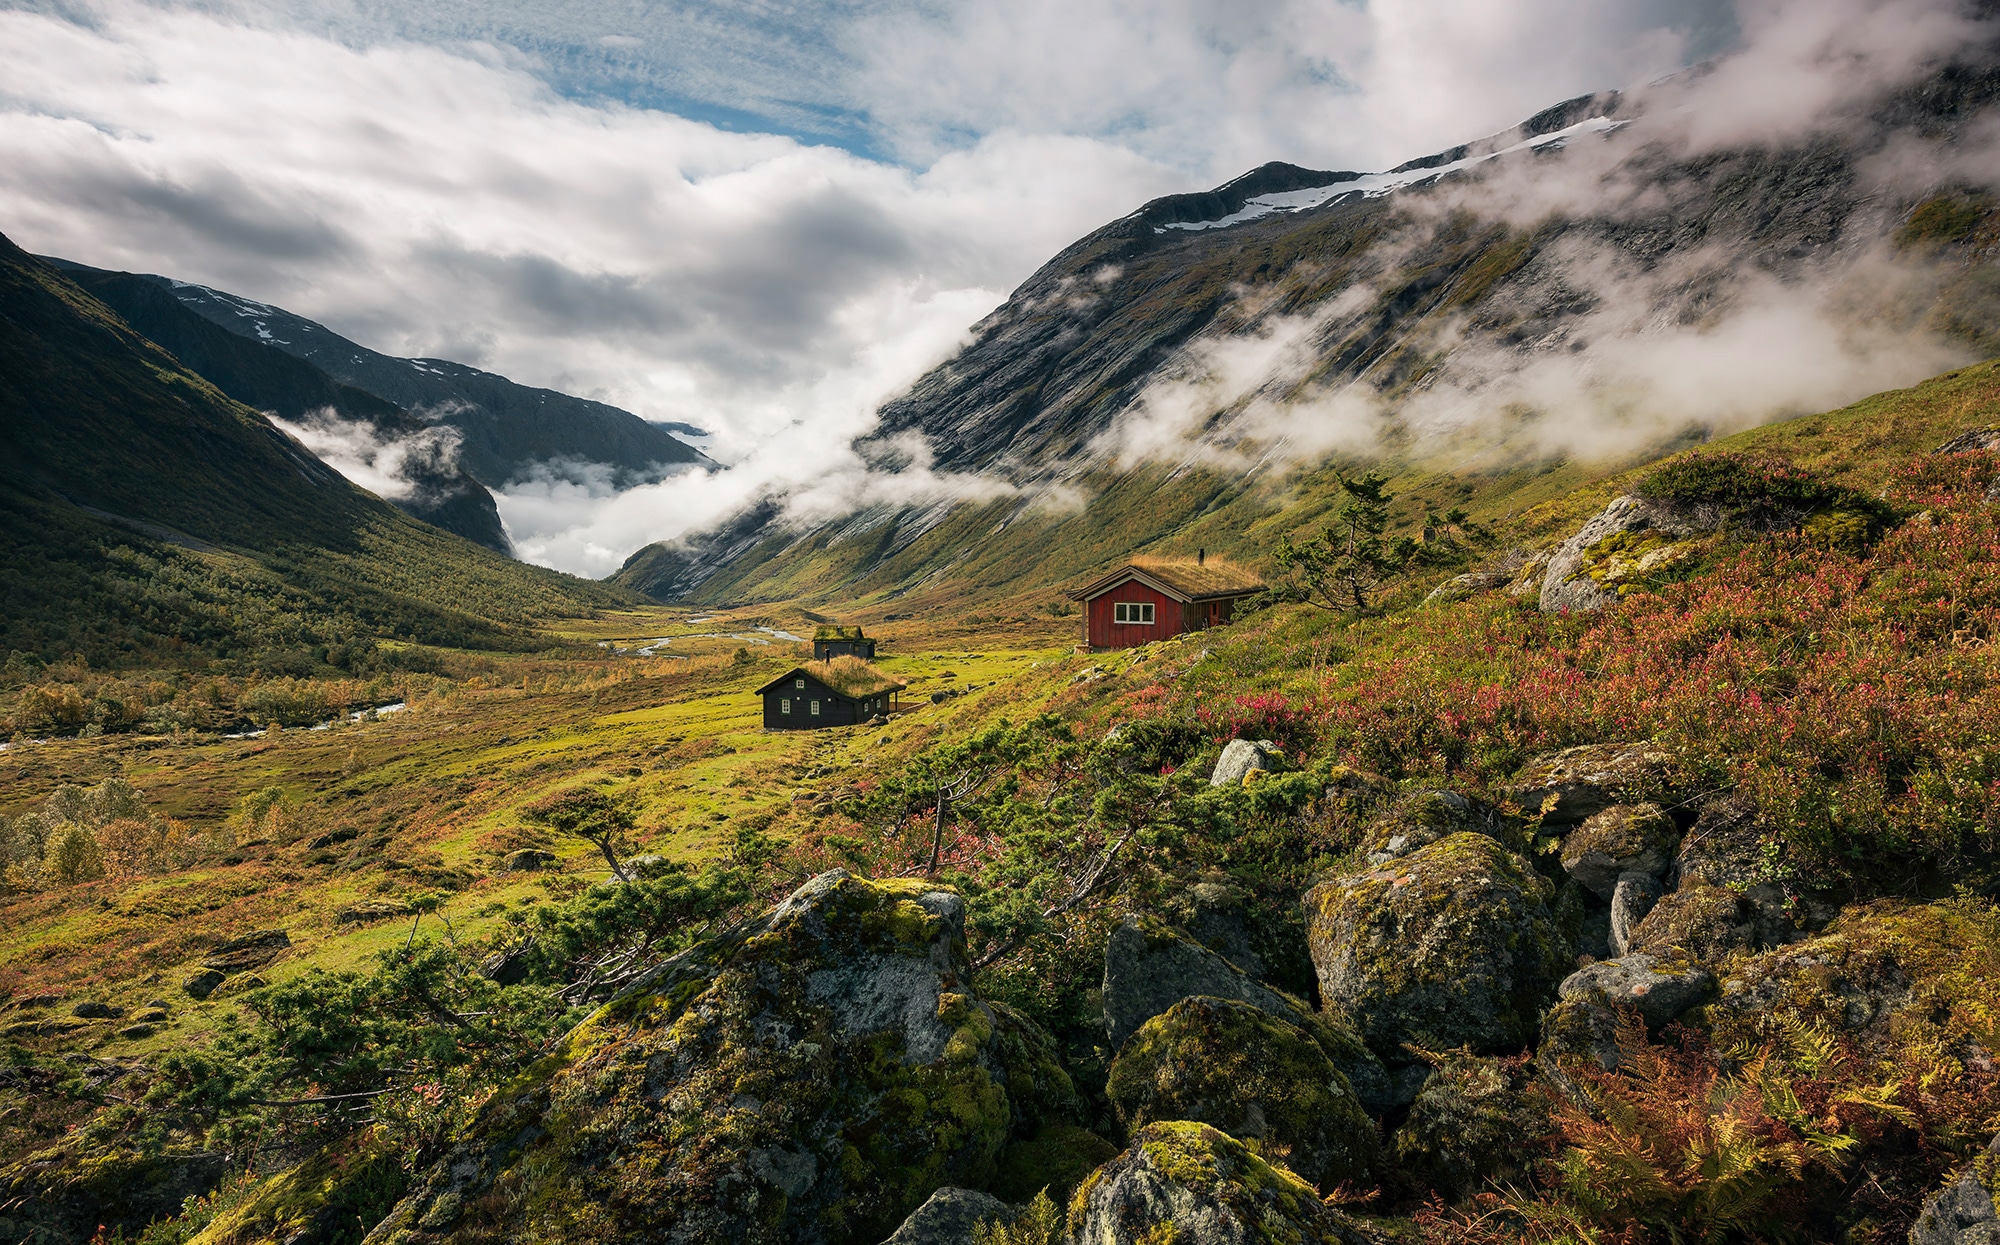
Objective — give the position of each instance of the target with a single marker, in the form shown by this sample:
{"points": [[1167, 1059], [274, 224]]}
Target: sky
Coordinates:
{"points": [[757, 217]]}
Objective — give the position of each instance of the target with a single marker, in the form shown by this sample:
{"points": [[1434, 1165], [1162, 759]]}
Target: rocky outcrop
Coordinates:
{"points": [[1192, 1184], [1584, 781], [1453, 945], [1698, 922], [1243, 757], [812, 1077], [1625, 838], [1658, 992], [1150, 966], [949, 1216], [1252, 1075]]}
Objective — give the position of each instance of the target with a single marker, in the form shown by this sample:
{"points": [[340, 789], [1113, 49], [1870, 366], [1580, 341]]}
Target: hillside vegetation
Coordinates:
{"points": [[1697, 893]]}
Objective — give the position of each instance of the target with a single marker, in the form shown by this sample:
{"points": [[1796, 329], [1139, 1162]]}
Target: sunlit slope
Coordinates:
{"points": [[106, 442]]}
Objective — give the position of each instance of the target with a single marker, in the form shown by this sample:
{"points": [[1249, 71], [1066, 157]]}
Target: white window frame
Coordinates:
{"points": [[1132, 613], [784, 704], [799, 683], [815, 708]]}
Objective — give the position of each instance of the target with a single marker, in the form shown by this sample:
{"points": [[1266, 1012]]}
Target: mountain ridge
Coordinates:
{"points": [[509, 430]]}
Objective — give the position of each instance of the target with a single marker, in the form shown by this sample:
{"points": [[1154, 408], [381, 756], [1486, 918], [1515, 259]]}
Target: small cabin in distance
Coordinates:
{"points": [[845, 691], [834, 641], [1151, 599]]}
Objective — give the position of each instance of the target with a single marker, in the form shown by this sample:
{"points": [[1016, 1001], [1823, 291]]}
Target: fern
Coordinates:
{"points": [[1037, 1224]]}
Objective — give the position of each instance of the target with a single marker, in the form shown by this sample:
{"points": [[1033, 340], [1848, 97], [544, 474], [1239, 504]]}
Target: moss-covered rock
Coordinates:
{"points": [[1587, 780], [1475, 1120], [950, 1217], [1422, 818], [1625, 838], [1149, 966], [1912, 983], [1658, 991], [1579, 1027], [332, 1198], [62, 1195], [1697, 922], [810, 1078], [1183, 1183], [1254, 1076], [1454, 945]]}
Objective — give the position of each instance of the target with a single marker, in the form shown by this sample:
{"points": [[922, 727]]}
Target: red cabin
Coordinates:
{"points": [[1150, 600]]}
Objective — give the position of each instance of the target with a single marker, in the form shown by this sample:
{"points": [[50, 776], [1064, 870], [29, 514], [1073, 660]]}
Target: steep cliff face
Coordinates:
{"points": [[1553, 292]]}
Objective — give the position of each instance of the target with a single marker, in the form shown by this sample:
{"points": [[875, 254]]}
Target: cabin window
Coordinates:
{"points": [[815, 708], [785, 704], [1133, 612], [799, 683]]}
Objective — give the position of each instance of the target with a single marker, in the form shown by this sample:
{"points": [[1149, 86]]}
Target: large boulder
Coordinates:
{"points": [[1963, 1212], [1698, 922], [1622, 544], [1453, 945], [810, 1077], [1729, 846], [1252, 1075], [1149, 966], [1472, 1123], [253, 950], [1216, 912], [1588, 779], [949, 1216], [1658, 992], [66, 1194], [1243, 757], [1625, 838], [1191, 1184]]}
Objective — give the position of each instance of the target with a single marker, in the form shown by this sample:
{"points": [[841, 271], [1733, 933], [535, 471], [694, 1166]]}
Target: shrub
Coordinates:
{"points": [[287, 702], [51, 709], [72, 855]]}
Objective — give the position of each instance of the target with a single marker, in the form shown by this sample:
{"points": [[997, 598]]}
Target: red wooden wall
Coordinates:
{"points": [[1168, 617]]}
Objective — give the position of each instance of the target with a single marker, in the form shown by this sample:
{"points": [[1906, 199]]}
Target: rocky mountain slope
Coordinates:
{"points": [[440, 492], [1555, 293], [508, 430]]}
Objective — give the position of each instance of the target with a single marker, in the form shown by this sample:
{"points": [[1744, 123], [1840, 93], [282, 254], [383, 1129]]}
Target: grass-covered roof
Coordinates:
{"points": [[850, 676]]}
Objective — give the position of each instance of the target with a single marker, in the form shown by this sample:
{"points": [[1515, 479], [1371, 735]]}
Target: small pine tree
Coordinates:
{"points": [[1343, 566]]}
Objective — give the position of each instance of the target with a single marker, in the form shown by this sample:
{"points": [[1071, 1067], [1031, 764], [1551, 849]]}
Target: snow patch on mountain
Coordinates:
{"points": [[1375, 185]]}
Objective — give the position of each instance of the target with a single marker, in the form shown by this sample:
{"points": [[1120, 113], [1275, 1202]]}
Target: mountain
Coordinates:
{"points": [[507, 430], [148, 514], [440, 491], [1551, 298]]}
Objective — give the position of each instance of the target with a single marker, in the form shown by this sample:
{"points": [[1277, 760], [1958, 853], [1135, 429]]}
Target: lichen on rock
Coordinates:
{"points": [[1454, 945], [811, 1077], [1587, 779], [1252, 1075], [1189, 1184]]}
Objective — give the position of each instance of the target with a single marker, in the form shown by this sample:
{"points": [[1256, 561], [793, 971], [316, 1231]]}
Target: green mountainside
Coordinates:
{"points": [[271, 380], [148, 513]]}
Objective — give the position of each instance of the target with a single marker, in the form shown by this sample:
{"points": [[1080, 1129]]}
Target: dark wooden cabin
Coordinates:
{"points": [[834, 641], [1145, 601], [841, 692]]}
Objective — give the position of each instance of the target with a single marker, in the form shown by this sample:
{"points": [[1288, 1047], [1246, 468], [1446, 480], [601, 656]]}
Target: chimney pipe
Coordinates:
{"points": [[1201, 557]]}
